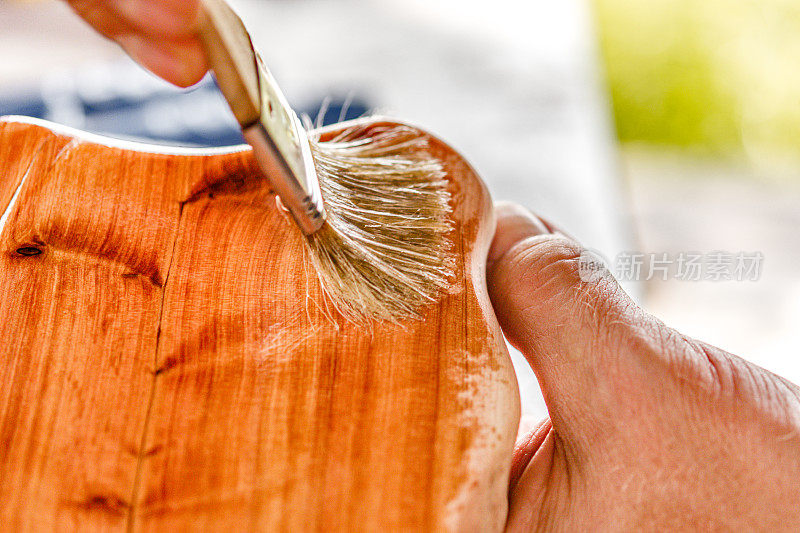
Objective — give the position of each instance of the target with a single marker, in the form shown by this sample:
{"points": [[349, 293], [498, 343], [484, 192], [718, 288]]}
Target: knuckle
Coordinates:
{"points": [[545, 267], [541, 277], [590, 318], [710, 378], [530, 282]]}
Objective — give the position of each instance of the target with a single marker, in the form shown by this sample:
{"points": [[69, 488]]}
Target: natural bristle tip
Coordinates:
{"points": [[384, 251]]}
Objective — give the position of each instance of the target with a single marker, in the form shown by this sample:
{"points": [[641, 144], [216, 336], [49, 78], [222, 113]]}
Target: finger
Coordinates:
{"points": [[163, 43], [552, 227], [517, 224], [182, 63], [526, 447], [101, 17], [157, 19], [161, 19], [537, 488], [570, 330]]}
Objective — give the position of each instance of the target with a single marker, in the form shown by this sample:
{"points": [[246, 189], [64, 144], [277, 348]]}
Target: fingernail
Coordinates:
{"points": [[514, 224]]}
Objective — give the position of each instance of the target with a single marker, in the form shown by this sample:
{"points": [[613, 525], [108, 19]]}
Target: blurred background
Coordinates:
{"points": [[652, 127]]}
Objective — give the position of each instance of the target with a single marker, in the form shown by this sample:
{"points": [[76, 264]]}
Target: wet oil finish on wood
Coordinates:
{"points": [[166, 362]]}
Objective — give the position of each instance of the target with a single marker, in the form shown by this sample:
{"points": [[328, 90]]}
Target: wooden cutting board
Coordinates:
{"points": [[165, 363]]}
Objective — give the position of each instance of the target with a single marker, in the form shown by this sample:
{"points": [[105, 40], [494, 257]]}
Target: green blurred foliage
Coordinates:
{"points": [[716, 76]]}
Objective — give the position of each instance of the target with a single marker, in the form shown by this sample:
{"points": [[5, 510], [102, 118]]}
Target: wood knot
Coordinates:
{"points": [[104, 503], [29, 251]]}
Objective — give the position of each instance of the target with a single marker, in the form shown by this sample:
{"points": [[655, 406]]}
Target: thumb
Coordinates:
{"points": [[571, 331]]}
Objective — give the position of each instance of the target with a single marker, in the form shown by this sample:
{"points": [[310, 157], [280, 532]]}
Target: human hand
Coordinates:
{"points": [[648, 429], [158, 34]]}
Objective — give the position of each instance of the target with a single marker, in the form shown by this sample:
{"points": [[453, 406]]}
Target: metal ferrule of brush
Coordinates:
{"points": [[299, 192], [280, 144]]}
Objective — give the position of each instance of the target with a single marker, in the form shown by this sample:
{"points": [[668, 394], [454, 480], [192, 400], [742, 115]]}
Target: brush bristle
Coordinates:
{"points": [[383, 252]]}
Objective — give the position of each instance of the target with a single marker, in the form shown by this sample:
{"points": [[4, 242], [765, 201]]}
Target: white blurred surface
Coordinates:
{"points": [[684, 205]]}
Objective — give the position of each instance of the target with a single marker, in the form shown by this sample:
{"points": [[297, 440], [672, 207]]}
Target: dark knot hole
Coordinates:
{"points": [[29, 251]]}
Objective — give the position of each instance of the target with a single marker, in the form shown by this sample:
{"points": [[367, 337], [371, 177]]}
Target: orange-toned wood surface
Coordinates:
{"points": [[165, 365]]}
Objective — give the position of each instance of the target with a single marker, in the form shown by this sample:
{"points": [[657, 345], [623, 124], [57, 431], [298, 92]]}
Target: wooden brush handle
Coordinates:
{"points": [[232, 58]]}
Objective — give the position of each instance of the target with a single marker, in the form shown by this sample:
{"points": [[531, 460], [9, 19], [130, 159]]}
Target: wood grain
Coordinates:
{"points": [[165, 363]]}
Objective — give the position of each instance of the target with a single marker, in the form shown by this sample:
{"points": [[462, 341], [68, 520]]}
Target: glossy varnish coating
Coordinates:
{"points": [[165, 362]]}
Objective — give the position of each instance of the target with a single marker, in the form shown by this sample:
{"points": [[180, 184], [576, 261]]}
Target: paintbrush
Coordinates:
{"points": [[372, 202]]}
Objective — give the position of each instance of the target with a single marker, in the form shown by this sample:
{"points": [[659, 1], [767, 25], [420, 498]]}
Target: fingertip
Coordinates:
{"points": [[194, 65], [180, 63], [514, 224]]}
